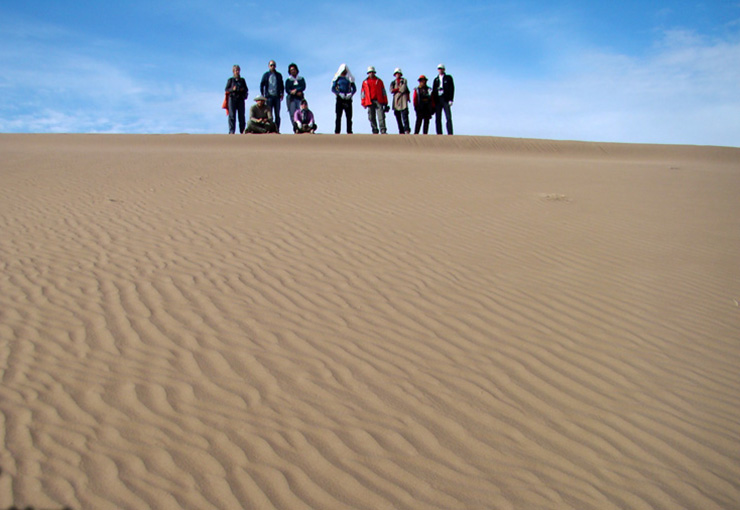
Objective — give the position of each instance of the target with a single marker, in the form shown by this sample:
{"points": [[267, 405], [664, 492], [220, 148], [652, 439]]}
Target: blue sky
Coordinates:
{"points": [[630, 71]]}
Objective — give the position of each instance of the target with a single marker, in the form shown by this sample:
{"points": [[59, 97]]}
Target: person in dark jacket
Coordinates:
{"points": [[343, 86], [443, 90], [423, 105], [295, 86], [272, 88], [236, 88]]}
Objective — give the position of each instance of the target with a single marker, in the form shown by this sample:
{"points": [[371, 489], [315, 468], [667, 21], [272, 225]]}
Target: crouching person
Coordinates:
{"points": [[260, 118], [303, 121]]}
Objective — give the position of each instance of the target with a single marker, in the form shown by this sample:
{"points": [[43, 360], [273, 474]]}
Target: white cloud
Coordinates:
{"points": [[684, 92]]}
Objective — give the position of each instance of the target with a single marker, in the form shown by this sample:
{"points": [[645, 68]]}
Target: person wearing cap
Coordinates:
{"points": [[303, 120], [236, 93], [260, 117], [400, 91], [374, 100], [295, 86], [343, 86], [272, 88], [423, 105], [443, 90]]}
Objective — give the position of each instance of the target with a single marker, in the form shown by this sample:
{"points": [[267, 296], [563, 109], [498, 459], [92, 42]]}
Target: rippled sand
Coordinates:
{"points": [[341, 322]]}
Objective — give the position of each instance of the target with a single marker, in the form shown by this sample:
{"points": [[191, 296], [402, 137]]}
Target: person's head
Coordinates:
{"points": [[260, 100], [422, 80], [441, 69], [272, 65], [371, 71], [236, 70], [398, 73], [304, 104], [293, 70]]}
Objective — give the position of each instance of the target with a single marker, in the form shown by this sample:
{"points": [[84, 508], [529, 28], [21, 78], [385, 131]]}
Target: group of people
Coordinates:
{"points": [[264, 115]]}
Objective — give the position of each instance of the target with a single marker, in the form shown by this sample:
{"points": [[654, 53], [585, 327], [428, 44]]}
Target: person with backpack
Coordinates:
{"points": [[236, 93], [423, 105], [343, 86], [375, 101]]}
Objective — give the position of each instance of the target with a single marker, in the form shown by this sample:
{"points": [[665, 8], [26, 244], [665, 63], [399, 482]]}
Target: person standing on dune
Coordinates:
{"points": [[343, 86], [400, 91], [236, 93], [443, 89], [295, 87], [374, 100], [272, 88], [423, 105]]}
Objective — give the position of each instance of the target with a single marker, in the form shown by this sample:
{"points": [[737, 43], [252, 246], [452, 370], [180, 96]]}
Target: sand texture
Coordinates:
{"points": [[359, 322]]}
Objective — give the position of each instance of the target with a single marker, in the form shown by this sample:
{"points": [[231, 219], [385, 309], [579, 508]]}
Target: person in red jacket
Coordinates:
{"points": [[374, 100]]}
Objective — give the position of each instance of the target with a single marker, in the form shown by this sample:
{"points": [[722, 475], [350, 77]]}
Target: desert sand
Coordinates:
{"points": [[359, 322]]}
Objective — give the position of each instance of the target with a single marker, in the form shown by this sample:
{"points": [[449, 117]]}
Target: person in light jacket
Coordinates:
{"points": [[400, 91]]}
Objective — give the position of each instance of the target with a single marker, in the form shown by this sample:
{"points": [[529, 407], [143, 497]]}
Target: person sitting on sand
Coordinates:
{"points": [[260, 117], [303, 121]]}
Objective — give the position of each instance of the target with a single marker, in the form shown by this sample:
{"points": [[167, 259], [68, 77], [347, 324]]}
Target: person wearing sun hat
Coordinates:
{"points": [[423, 105], [400, 91], [260, 117], [443, 90], [374, 100]]}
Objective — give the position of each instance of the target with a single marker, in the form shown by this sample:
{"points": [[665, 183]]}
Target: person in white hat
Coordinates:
{"points": [[374, 100], [443, 89], [401, 94]]}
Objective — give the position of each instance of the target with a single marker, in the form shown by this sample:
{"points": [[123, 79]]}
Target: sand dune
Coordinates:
{"points": [[341, 322]]}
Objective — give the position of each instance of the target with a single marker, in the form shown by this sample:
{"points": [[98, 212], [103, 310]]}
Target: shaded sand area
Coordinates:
{"points": [[358, 322]]}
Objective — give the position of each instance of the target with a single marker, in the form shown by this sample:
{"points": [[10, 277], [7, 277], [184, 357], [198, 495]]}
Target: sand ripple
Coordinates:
{"points": [[401, 323]]}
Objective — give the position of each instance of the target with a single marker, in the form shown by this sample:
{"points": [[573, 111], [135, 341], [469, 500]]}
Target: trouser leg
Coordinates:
{"points": [[448, 117], [438, 117], [274, 104], [338, 109], [399, 121], [371, 115]]}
